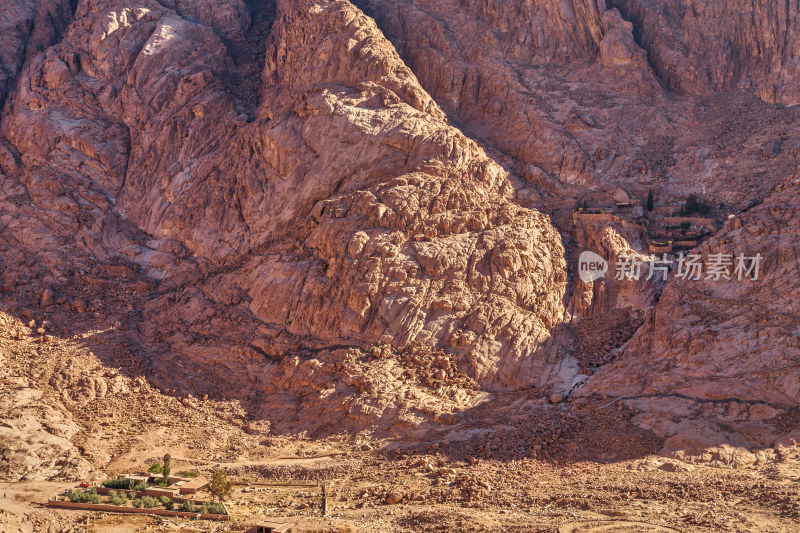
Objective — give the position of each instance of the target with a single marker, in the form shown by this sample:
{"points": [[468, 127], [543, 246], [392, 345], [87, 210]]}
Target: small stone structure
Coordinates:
{"points": [[271, 526], [157, 492]]}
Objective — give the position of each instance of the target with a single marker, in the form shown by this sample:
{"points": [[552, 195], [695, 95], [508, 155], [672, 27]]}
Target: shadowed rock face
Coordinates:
{"points": [[27, 28], [266, 192], [699, 47], [725, 339]]}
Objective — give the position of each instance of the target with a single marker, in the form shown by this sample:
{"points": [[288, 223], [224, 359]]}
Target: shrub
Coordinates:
{"points": [[139, 487], [212, 508], [116, 498], [130, 495], [189, 473], [167, 503], [148, 502], [90, 496], [156, 468], [137, 503], [188, 506], [119, 483]]}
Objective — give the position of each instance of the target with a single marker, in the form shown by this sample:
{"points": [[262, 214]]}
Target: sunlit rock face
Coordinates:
{"points": [[281, 198]]}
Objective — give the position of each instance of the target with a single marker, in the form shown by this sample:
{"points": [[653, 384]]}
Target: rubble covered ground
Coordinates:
{"points": [[513, 462]]}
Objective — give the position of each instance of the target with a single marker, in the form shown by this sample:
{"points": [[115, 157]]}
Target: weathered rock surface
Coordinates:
{"points": [[719, 339], [565, 97], [700, 48], [26, 29], [249, 200], [346, 212], [35, 432]]}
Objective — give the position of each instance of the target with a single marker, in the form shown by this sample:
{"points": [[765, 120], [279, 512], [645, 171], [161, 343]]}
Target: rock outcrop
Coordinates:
{"points": [[26, 29], [715, 339], [701, 48], [302, 208], [347, 211]]}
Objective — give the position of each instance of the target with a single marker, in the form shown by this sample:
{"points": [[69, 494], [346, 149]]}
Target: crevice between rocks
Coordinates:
{"points": [[248, 53]]}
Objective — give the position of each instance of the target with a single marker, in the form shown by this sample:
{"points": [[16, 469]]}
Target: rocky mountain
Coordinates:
{"points": [[372, 210]]}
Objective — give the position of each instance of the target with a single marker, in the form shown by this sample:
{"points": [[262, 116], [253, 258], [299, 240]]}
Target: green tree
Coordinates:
{"points": [[650, 201], [694, 206], [220, 486], [90, 496], [119, 483], [156, 468], [165, 470], [212, 508]]}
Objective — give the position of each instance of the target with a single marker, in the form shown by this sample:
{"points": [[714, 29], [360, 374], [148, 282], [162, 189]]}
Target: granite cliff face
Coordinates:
{"points": [[324, 206], [700, 48], [343, 210]]}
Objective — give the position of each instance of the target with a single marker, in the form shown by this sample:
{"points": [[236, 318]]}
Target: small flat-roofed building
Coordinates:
{"points": [[271, 526], [191, 485], [138, 478], [660, 247], [157, 492]]}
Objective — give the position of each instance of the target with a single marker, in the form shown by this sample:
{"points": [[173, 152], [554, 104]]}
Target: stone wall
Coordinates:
{"points": [[133, 510]]}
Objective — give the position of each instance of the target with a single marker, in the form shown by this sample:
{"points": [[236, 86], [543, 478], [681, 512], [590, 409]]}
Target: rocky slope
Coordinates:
{"points": [[700, 48], [362, 209], [567, 96], [725, 349], [346, 212]]}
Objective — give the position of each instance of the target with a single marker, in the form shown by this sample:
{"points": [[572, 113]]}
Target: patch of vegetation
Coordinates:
{"points": [[693, 206], [156, 468], [167, 503], [188, 506], [119, 483], [137, 503], [220, 486], [148, 502], [165, 470], [189, 473], [116, 498], [213, 508], [89, 496]]}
